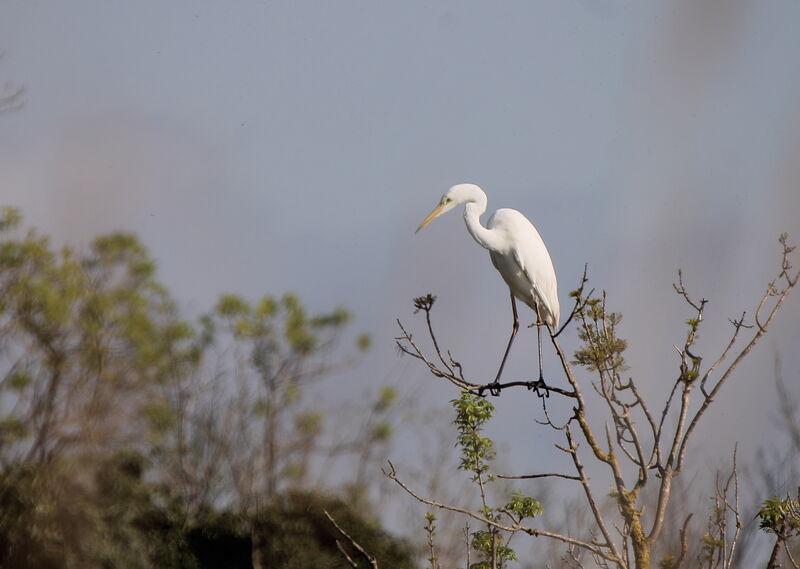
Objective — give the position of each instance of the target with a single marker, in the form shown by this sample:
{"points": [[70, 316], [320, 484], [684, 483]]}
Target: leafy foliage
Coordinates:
{"points": [[132, 438], [602, 350], [477, 451], [85, 336], [430, 530], [122, 521], [491, 546], [779, 516], [524, 506]]}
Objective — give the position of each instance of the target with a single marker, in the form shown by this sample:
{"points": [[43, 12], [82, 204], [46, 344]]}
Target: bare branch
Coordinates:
{"points": [[466, 540], [578, 304], [734, 509], [417, 353], [737, 325], [453, 371], [684, 543], [791, 558], [761, 330], [425, 303], [593, 548], [587, 489], [579, 410], [353, 542], [656, 454], [626, 445], [667, 405], [533, 476], [343, 551], [531, 385], [681, 290]]}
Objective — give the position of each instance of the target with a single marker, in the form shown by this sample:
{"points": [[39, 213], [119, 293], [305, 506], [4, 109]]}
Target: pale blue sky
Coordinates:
{"points": [[270, 146]]}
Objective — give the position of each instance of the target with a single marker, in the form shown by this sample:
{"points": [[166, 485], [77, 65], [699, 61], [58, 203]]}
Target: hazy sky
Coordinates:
{"points": [[261, 147]]}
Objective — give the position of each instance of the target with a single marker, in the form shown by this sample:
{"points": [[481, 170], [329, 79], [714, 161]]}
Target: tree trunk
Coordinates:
{"points": [[774, 562], [641, 547], [255, 548]]}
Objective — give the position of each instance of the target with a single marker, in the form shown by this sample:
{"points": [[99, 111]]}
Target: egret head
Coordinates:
{"points": [[458, 194]]}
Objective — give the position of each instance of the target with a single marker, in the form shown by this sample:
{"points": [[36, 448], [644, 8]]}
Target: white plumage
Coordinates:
{"points": [[525, 265], [517, 252]]}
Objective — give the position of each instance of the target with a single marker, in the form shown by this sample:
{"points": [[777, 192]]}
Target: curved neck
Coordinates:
{"points": [[486, 238]]}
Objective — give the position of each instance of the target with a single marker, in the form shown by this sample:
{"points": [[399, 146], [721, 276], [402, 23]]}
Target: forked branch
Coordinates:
{"points": [[372, 561], [777, 292], [449, 368], [662, 447], [594, 549]]}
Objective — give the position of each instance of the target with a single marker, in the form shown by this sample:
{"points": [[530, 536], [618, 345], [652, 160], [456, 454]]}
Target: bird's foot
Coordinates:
{"points": [[494, 388], [540, 384]]}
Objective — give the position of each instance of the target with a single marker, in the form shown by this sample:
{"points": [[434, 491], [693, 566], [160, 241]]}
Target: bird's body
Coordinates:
{"points": [[517, 252], [535, 281]]}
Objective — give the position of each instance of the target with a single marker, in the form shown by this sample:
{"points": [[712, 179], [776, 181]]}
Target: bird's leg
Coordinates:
{"points": [[493, 386], [539, 339], [540, 382]]}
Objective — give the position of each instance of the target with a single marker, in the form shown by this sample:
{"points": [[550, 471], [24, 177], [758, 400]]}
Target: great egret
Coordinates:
{"points": [[517, 252]]}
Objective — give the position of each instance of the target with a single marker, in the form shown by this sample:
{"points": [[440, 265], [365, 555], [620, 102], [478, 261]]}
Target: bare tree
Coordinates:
{"points": [[773, 476], [643, 447]]}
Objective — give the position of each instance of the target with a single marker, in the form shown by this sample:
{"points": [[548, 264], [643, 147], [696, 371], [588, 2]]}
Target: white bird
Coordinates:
{"points": [[517, 252]]}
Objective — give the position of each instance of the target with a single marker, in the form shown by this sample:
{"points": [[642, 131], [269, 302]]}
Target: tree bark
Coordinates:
{"points": [[774, 562]]}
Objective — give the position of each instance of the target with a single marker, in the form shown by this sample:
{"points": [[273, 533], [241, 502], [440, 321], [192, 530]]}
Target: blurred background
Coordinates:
{"points": [[264, 148]]}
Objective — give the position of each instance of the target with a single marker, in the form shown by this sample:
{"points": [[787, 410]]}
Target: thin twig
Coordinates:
{"points": [[728, 372], [578, 304], [417, 353], [587, 489], [354, 543], [595, 549], [684, 543], [343, 551], [426, 304], [791, 558], [466, 539]]}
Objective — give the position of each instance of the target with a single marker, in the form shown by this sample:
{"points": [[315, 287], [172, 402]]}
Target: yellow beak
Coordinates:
{"points": [[434, 214]]}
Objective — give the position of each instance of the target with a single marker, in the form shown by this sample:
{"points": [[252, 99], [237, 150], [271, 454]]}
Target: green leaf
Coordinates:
{"points": [[309, 424], [9, 218], [266, 307], [667, 562], [778, 515], [386, 398], [230, 305], [12, 429], [524, 506], [482, 542], [338, 317], [472, 413], [160, 417], [364, 342], [19, 380], [382, 431]]}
